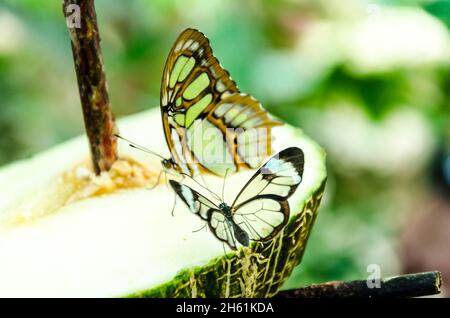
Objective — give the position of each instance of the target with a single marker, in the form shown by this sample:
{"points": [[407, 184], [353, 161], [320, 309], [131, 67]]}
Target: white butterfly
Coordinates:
{"points": [[260, 210]]}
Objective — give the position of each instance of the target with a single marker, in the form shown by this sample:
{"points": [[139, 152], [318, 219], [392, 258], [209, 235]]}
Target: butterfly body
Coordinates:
{"points": [[168, 164], [259, 211], [240, 235]]}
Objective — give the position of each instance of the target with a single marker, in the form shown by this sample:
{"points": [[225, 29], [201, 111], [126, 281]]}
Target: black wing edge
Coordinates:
{"points": [[294, 155], [214, 232], [176, 186], [285, 209]]}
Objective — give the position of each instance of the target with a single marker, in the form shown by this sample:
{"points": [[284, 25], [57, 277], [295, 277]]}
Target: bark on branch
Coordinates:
{"points": [[98, 117], [411, 285]]}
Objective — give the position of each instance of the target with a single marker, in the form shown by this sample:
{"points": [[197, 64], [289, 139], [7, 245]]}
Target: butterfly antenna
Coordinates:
{"points": [[204, 181], [212, 193], [202, 177], [136, 146], [223, 185], [205, 185]]}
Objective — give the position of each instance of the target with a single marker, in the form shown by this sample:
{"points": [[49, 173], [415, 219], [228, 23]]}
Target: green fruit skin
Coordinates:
{"points": [[256, 271]]}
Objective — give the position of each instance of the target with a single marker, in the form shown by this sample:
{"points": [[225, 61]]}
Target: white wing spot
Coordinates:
{"points": [[220, 86], [187, 194], [212, 70], [179, 151], [178, 47], [194, 46], [222, 109], [187, 44]]}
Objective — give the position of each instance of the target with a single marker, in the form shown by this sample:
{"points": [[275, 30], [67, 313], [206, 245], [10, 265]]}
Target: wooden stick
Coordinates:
{"points": [[411, 285], [98, 117]]}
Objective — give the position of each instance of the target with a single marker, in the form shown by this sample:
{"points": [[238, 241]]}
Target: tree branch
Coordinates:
{"points": [[411, 285], [98, 117]]}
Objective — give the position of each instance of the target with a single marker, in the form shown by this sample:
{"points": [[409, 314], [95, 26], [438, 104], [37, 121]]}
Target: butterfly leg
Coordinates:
{"points": [[166, 181], [169, 188], [199, 229], [225, 252], [174, 204], [157, 181]]}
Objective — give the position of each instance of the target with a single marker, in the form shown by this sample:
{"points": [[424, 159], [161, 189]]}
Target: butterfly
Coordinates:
{"points": [[260, 210], [209, 125]]}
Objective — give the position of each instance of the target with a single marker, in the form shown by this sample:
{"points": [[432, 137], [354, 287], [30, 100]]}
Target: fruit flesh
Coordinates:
{"points": [[118, 242]]}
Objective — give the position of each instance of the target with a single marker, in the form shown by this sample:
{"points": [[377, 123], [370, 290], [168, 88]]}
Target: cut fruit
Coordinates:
{"points": [[67, 233]]}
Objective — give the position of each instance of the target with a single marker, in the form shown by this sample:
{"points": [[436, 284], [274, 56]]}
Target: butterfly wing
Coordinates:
{"points": [[261, 208], [221, 228], [193, 81], [235, 134], [198, 95], [207, 210], [197, 203], [193, 72]]}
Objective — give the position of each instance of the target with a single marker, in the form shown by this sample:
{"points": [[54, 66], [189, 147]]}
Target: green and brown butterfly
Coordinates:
{"points": [[209, 125], [200, 102]]}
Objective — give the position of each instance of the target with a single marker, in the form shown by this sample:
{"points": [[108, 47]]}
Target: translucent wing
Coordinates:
{"points": [[192, 72], [196, 202], [221, 228], [199, 98], [261, 208], [207, 210], [246, 128], [193, 82], [262, 218]]}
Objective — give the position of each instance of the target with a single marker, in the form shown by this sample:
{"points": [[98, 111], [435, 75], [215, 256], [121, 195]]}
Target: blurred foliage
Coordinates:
{"points": [[369, 80]]}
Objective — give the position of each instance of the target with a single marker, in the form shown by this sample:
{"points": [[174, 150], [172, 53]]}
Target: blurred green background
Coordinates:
{"points": [[369, 80]]}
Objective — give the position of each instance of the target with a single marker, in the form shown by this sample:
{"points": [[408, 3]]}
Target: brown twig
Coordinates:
{"points": [[98, 117], [411, 285]]}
